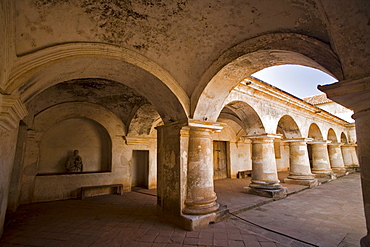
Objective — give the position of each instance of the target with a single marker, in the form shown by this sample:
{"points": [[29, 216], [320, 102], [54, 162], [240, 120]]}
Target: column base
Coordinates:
{"points": [[200, 208], [311, 183], [354, 168], [340, 171], [275, 194], [195, 222], [324, 174]]}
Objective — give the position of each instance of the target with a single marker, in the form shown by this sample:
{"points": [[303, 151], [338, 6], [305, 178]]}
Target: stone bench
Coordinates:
{"points": [[118, 186], [244, 174]]}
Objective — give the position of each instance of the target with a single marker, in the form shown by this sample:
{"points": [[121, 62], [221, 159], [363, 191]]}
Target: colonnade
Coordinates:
{"points": [[328, 161]]}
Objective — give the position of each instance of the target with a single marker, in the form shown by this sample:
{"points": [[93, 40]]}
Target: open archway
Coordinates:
{"points": [[314, 132], [288, 128], [241, 61], [332, 136], [77, 61]]}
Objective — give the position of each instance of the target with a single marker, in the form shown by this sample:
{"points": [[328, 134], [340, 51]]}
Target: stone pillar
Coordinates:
{"points": [[320, 160], [185, 192], [11, 112], [336, 158], [200, 196], [265, 180], [300, 171], [350, 156], [355, 94]]}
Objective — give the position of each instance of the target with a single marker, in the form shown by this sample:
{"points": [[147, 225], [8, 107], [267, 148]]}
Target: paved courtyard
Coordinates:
{"points": [[328, 215]]}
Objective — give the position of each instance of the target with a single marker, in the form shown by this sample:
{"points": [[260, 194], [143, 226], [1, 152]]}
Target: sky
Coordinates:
{"points": [[300, 81]]}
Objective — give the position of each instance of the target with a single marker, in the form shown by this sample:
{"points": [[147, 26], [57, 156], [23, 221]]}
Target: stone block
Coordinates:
{"points": [[311, 183], [277, 194]]}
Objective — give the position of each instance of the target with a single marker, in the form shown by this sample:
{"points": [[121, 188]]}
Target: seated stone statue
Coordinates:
{"points": [[74, 162]]}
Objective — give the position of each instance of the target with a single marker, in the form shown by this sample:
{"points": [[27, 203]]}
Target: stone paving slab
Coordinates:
{"points": [[329, 215]]}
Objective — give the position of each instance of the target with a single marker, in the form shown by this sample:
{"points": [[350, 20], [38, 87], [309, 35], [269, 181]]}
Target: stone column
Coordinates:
{"points": [[350, 156], [336, 158], [11, 112], [320, 160], [185, 192], [200, 196], [265, 180], [355, 94], [300, 171]]}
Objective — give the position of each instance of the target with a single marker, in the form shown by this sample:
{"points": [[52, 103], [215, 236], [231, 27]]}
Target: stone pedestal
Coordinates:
{"points": [[350, 156], [336, 158], [265, 180], [300, 171], [320, 160]]}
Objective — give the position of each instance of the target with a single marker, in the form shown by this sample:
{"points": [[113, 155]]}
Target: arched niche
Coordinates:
{"points": [[288, 128], [78, 133], [60, 126], [67, 62], [343, 138], [255, 54], [332, 136], [245, 116], [314, 132]]}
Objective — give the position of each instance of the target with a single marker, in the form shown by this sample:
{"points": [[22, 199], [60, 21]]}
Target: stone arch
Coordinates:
{"points": [[332, 136], [343, 138], [288, 127], [245, 116], [143, 120], [37, 71], [251, 56], [314, 132]]}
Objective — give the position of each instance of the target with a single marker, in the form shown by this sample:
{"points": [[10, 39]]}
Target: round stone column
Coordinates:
{"points": [[336, 158], [300, 171], [200, 195], [350, 155], [320, 159], [265, 180]]}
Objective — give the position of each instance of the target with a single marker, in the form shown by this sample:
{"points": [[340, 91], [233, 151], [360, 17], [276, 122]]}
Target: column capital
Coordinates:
{"points": [[12, 110], [264, 136], [302, 139], [354, 94], [320, 142], [336, 144], [215, 126]]}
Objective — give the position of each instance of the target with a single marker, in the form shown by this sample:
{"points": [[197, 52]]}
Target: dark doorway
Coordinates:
{"points": [[140, 168], [220, 160]]}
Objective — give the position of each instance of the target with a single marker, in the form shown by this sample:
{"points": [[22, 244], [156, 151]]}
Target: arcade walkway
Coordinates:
{"points": [[328, 215]]}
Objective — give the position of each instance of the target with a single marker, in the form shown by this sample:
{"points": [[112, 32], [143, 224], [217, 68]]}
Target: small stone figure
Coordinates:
{"points": [[74, 163]]}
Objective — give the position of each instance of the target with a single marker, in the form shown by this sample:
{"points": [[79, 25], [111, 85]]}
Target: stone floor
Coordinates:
{"points": [[328, 215]]}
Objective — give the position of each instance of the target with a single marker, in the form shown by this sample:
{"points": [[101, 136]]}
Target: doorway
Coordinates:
{"points": [[220, 168], [140, 168]]}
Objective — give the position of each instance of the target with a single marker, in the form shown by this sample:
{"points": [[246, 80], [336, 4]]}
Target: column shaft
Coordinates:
{"points": [[300, 171], [265, 180], [320, 158], [200, 196], [336, 158], [350, 155]]}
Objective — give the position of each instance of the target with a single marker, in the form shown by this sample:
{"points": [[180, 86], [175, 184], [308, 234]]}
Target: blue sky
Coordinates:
{"points": [[298, 80]]}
